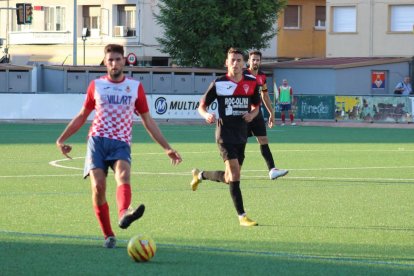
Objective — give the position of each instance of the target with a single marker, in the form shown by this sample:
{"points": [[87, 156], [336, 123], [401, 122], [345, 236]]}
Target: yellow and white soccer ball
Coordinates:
{"points": [[141, 248]]}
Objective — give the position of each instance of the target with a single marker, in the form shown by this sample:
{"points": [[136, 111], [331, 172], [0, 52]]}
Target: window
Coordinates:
{"points": [[344, 19], [126, 17], [320, 17], [91, 17], [54, 18], [402, 18], [292, 17]]}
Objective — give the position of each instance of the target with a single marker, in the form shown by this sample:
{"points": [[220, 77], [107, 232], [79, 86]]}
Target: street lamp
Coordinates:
{"points": [[85, 34]]}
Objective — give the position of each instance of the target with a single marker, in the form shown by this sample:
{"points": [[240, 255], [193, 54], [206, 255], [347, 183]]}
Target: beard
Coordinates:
{"points": [[115, 74], [255, 67]]}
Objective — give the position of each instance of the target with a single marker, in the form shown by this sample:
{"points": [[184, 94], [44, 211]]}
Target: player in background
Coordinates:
{"points": [[257, 127], [114, 98], [238, 103], [286, 101]]}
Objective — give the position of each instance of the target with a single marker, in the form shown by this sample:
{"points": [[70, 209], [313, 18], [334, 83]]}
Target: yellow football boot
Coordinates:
{"points": [[245, 221], [195, 181]]}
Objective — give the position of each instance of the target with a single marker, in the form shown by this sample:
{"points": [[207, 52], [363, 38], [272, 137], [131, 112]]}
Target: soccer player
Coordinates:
{"points": [[114, 98], [286, 100], [238, 103], [257, 127]]}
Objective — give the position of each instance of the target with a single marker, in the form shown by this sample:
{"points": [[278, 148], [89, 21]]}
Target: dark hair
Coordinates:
{"points": [[114, 48], [258, 53], [234, 50]]}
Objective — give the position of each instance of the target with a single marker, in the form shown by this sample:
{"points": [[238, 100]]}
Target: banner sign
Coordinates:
{"points": [[373, 109], [340, 108], [315, 107], [177, 106]]}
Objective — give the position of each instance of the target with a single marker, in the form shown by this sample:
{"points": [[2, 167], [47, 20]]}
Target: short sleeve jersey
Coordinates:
{"points": [[261, 79], [114, 104], [234, 100]]}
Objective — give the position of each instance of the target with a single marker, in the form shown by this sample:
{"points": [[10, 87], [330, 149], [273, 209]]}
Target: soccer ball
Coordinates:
{"points": [[141, 248]]}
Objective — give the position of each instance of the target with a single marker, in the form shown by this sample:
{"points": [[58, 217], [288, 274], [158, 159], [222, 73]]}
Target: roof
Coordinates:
{"points": [[335, 63]]}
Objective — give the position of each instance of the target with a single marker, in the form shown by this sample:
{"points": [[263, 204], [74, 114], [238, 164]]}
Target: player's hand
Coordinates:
{"points": [[248, 117], [65, 149], [174, 156], [271, 121], [210, 118]]}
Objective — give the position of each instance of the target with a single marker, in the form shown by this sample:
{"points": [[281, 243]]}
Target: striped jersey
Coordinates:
{"points": [[114, 104]]}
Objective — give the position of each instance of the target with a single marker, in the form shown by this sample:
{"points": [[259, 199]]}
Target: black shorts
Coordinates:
{"points": [[232, 151], [257, 127]]}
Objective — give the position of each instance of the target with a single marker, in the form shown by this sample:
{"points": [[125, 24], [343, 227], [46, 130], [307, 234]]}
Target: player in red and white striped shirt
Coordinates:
{"points": [[115, 99]]}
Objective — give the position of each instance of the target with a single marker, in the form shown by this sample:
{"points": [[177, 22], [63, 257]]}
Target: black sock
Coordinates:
{"points": [[267, 155], [236, 195], [217, 176]]}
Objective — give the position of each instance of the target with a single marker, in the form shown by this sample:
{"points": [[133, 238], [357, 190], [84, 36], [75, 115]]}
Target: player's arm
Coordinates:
{"points": [[268, 104], [77, 122], [291, 96], [208, 98], [255, 106], [155, 133], [278, 94]]}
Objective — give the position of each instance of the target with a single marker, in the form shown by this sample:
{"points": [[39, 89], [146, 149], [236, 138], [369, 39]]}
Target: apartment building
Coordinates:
{"points": [[370, 28], [302, 28], [51, 34]]}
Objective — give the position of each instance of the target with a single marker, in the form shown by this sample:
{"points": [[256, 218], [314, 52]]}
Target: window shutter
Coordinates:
{"points": [[344, 19], [402, 18]]}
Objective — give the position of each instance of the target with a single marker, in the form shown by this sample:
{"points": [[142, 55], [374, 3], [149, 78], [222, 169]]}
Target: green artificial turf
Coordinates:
{"points": [[345, 208]]}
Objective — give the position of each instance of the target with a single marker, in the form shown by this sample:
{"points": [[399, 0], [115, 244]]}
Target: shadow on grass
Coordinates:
{"points": [[59, 256]]}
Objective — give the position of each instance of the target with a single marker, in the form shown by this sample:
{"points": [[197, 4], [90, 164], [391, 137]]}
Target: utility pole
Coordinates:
{"points": [[75, 34], [6, 47]]}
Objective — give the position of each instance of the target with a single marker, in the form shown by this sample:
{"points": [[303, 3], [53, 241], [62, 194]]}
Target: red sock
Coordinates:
{"points": [[283, 118], [102, 214], [123, 198], [291, 117]]}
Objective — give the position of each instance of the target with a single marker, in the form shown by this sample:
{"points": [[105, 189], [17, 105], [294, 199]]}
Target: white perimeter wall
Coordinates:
{"points": [[66, 106]]}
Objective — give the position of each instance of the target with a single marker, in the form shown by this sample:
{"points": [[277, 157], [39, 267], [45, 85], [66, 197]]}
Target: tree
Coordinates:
{"points": [[198, 33]]}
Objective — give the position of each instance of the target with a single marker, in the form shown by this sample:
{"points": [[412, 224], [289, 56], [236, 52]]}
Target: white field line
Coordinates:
{"points": [[245, 174]]}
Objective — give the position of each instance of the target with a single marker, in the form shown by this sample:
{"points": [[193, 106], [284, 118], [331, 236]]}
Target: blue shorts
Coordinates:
{"points": [[286, 107], [103, 152]]}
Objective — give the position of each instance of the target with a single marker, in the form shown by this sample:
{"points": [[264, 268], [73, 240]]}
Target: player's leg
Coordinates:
{"points": [[282, 112], [291, 117], [265, 151], [97, 169], [199, 176], [101, 207], [233, 174], [217, 176], [126, 214], [259, 130]]}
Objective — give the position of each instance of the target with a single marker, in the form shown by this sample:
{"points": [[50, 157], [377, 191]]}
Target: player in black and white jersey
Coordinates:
{"points": [[238, 103]]}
